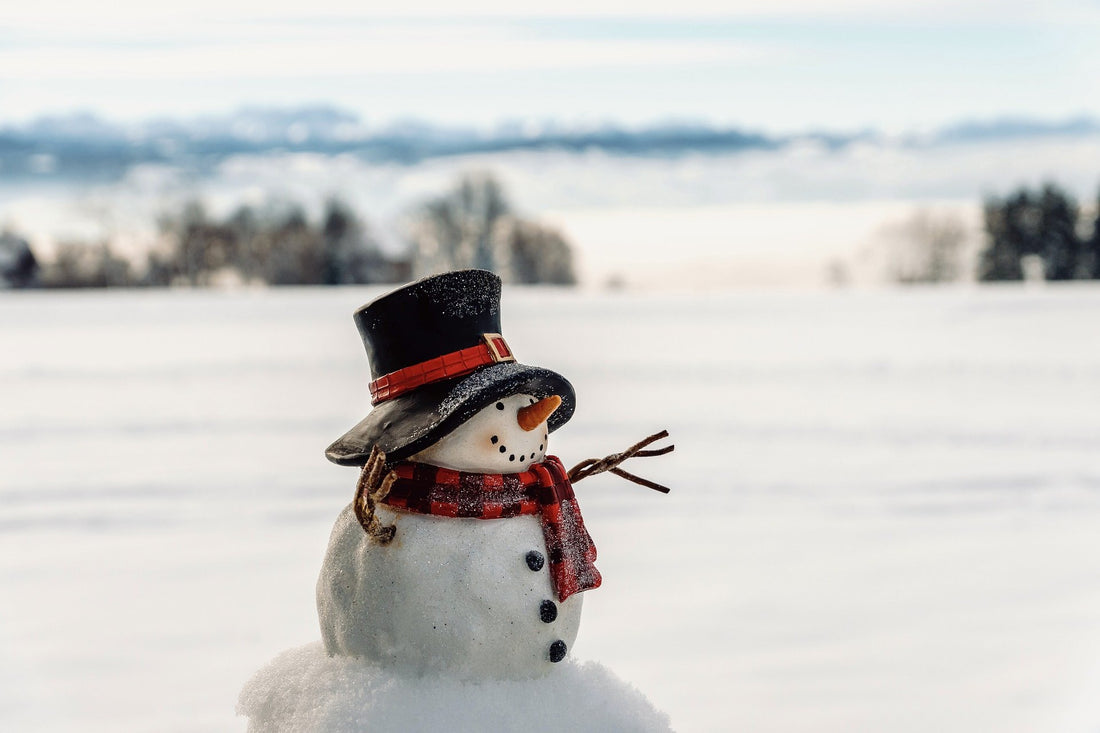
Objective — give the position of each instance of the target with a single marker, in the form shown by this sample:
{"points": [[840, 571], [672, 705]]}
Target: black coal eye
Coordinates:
{"points": [[494, 440], [500, 405]]}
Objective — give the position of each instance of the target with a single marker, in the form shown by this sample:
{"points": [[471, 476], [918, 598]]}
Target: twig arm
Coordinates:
{"points": [[592, 466], [641, 481]]}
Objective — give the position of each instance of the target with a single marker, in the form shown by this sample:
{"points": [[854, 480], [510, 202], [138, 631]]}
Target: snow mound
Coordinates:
{"points": [[305, 690]]}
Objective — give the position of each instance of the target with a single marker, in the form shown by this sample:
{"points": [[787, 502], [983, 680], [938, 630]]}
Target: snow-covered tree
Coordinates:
{"points": [[473, 226]]}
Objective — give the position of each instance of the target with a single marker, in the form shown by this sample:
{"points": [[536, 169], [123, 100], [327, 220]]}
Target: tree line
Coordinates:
{"points": [[473, 225], [1046, 225], [1029, 233]]}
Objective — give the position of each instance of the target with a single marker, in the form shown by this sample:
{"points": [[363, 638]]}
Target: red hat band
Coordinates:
{"points": [[493, 350]]}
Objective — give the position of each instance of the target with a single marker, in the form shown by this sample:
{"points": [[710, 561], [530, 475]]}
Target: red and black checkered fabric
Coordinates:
{"points": [[544, 490]]}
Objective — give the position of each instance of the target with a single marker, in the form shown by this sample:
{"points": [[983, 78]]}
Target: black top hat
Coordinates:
{"points": [[436, 358]]}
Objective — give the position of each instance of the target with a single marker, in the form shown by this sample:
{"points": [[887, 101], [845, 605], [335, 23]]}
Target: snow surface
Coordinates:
{"points": [[885, 512], [306, 690]]}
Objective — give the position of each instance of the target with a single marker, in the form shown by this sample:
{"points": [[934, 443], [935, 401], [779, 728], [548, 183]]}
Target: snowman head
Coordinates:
{"points": [[505, 436], [437, 360]]}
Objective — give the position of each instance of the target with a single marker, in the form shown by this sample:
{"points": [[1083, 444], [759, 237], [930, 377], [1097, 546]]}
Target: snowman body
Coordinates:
{"points": [[469, 598]]}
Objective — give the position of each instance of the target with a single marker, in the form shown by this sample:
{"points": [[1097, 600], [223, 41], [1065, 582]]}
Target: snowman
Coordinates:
{"points": [[464, 556]]}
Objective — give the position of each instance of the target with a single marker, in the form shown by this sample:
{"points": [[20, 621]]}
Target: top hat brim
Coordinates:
{"points": [[408, 424]]}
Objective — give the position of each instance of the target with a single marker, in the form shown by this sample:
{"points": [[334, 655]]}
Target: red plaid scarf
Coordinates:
{"points": [[544, 489]]}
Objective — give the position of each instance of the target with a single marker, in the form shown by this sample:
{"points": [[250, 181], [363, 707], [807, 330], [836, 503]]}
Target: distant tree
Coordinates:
{"points": [[1011, 226], [535, 253], [481, 204], [202, 249], [473, 226], [340, 233], [455, 230], [927, 249], [18, 265], [83, 265], [159, 270], [1090, 248], [250, 254], [294, 251], [350, 253], [1059, 245]]}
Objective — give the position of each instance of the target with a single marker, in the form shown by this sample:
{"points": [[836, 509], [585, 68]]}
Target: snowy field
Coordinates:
{"points": [[885, 516]]}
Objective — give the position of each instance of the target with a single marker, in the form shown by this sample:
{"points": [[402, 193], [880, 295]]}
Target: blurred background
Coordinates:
{"points": [[847, 252], [715, 145]]}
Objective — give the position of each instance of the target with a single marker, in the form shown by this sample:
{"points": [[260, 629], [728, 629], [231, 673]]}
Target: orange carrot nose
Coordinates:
{"points": [[532, 416]]}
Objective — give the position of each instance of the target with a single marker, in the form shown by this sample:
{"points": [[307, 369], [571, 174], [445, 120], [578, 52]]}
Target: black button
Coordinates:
{"points": [[548, 611], [535, 560], [557, 651]]}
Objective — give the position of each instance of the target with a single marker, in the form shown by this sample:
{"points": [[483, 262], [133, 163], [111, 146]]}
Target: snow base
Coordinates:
{"points": [[306, 690]]}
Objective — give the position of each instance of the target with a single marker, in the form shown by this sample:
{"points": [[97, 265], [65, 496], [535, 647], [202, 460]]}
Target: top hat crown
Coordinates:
{"points": [[437, 356], [428, 319]]}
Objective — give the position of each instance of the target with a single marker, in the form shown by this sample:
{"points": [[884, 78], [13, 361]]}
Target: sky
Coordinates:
{"points": [[782, 66]]}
